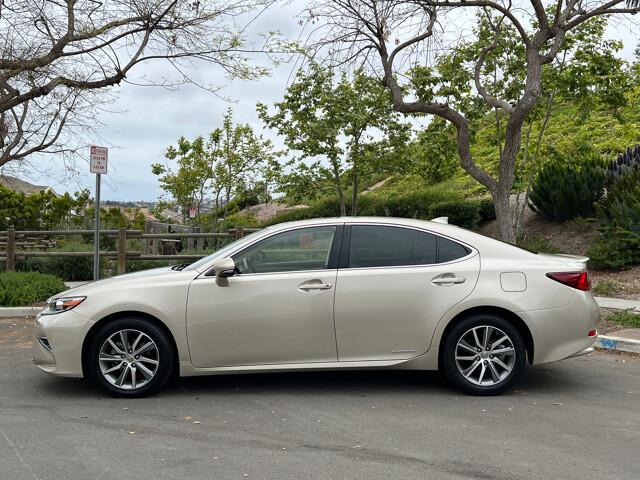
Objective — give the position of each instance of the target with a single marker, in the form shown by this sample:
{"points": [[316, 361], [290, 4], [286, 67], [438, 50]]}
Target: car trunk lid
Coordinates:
{"points": [[578, 262]]}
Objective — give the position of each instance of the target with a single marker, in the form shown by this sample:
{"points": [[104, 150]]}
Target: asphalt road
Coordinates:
{"points": [[577, 419]]}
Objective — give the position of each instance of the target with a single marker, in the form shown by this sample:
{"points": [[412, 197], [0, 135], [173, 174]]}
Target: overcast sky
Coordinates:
{"points": [[148, 119]]}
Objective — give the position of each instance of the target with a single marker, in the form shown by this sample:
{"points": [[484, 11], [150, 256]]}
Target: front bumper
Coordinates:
{"points": [[57, 343]]}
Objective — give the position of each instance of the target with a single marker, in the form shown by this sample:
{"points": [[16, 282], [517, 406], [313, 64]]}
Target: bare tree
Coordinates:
{"points": [[388, 34], [57, 57]]}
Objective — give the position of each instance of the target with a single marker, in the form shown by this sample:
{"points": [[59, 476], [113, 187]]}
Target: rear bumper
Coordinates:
{"points": [[560, 333], [586, 351]]}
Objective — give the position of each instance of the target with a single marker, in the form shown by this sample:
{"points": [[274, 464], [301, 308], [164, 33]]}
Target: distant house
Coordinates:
{"points": [[131, 212], [172, 216], [22, 186]]}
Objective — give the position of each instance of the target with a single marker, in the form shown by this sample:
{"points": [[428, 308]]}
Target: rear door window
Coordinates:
{"points": [[390, 246]]}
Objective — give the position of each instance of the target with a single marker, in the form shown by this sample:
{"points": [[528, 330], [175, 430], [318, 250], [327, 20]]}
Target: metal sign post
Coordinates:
{"points": [[98, 165]]}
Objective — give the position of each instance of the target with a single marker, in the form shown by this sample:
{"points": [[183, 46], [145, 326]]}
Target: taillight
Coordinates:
{"points": [[579, 280]]}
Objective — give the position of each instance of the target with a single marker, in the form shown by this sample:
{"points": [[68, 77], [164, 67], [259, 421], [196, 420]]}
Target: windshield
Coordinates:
{"points": [[223, 251]]}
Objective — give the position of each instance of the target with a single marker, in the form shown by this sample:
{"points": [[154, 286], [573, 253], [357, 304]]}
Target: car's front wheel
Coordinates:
{"points": [[130, 357], [484, 355]]}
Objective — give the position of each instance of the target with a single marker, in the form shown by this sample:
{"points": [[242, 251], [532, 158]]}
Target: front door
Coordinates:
{"points": [[277, 309], [397, 284]]}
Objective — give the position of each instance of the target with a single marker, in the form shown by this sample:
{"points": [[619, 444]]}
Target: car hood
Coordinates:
{"points": [[120, 279]]}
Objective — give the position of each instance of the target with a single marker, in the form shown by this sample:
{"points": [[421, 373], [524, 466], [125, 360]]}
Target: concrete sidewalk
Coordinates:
{"points": [[618, 303], [623, 340]]}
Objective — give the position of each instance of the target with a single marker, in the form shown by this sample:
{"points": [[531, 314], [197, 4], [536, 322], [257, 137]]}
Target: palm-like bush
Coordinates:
{"points": [[626, 163], [568, 185]]}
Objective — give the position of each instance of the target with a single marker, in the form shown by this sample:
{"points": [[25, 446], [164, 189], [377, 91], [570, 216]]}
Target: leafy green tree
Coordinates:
{"points": [[187, 182], [587, 76], [338, 126], [239, 157], [41, 210], [461, 89], [229, 163]]}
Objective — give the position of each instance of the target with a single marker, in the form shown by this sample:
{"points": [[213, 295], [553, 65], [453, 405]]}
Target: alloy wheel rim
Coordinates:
{"points": [[129, 359], [485, 355]]}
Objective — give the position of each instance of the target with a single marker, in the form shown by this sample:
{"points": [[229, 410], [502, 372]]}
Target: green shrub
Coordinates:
{"points": [[606, 287], [621, 206], [626, 318], [619, 244], [71, 269], [486, 209], [626, 163], [616, 249], [568, 185], [397, 201], [463, 213], [24, 288], [140, 265]]}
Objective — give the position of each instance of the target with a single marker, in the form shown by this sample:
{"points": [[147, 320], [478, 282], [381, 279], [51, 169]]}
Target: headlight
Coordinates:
{"points": [[62, 304]]}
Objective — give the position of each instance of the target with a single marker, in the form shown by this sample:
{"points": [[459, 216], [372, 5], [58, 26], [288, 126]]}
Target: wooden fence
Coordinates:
{"points": [[42, 241]]}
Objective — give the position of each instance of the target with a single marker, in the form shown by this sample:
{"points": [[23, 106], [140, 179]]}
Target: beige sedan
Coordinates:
{"points": [[357, 293]]}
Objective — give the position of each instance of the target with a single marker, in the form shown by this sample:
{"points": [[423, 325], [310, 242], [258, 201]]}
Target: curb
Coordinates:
{"points": [[618, 344], [6, 312]]}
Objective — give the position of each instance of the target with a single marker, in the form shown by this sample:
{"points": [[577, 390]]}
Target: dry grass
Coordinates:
{"points": [[624, 284]]}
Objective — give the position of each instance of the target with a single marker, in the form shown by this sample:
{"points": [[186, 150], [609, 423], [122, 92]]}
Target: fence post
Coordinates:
{"points": [[11, 250], [147, 242], [155, 243], [122, 250], [190, 242], [239, 232], [199, 241]]}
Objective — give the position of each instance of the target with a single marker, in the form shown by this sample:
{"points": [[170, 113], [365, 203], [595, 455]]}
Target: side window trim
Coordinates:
{"points": [[336, 247], [346, 246]]}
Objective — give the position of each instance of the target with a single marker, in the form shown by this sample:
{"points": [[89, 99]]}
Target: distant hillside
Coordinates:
{"points": [[23, 186]]}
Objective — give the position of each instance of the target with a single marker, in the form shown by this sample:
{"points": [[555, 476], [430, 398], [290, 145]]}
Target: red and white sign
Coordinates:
{"points": [[192, 212], [98, 159]]}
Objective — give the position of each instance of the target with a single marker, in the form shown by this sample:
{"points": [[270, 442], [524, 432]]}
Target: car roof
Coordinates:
{"points": [[409, 222]]}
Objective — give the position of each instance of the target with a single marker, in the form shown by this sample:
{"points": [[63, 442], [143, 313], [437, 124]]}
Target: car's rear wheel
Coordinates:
{"points": [[130, 357], [484, 355]]}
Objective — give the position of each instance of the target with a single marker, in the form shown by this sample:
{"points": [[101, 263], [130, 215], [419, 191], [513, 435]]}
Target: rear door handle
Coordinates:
{"points": [[447, 280], [315, 286]]}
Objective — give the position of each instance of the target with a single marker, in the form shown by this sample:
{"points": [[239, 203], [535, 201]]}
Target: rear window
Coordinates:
{"points": [[449, 250]]}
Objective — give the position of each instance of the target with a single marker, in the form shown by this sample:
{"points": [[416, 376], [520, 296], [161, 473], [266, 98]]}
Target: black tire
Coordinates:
{"points": [[163, 354], [501, 378]]}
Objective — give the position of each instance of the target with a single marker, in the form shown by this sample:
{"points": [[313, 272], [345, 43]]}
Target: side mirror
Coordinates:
{"points": [[224, 268]]}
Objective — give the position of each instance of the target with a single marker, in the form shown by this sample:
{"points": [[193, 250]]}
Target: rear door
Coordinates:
{"points": [[395, 283]]}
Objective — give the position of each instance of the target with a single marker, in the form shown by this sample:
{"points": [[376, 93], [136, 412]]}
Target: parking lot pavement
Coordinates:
{"points": [[571, 420]]}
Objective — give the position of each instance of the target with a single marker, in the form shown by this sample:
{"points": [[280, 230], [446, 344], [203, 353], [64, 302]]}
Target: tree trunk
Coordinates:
{"points": [[216, 208], [354, 169], [226, 204], [338, 187], [343, 205], [501, 200], [354, 196]]}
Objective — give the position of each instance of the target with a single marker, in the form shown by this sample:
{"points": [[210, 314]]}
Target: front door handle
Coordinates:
{"points": [[447, 280], [315, 286]]}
